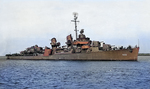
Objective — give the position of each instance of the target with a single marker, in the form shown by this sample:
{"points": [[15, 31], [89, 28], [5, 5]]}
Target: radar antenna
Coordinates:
{"points": [[75, 21]]}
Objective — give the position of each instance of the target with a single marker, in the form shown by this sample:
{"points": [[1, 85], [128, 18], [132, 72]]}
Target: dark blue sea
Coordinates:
{"points": [[45, 74]]}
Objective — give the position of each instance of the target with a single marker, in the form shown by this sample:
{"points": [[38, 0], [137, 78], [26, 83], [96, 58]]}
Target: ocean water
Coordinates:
{"points": [[44, 74]]}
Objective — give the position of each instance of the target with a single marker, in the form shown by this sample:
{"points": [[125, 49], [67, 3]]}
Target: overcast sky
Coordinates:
{"points": [[24, 23]]}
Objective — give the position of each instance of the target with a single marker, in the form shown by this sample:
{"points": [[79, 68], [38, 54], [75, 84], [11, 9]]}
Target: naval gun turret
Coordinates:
{"points": [[54, 45]]}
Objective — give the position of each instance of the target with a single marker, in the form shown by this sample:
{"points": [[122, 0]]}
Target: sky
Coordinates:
{"points": [[25, 23]]}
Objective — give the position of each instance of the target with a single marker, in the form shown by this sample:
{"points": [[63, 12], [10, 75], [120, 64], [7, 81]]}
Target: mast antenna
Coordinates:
{"points": [[138, 42], [75, 21]]}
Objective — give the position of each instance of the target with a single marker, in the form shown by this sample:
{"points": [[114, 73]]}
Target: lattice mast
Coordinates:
{"points": [[75, 21]]}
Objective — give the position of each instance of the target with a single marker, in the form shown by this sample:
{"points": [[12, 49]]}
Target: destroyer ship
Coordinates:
{"points": [[82, 48]]}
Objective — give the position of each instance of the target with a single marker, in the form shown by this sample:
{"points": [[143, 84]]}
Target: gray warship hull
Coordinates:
{"points": [[113, 55]]}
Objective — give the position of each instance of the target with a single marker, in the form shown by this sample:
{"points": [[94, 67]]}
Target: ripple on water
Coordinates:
{"points": [[27, 74]]}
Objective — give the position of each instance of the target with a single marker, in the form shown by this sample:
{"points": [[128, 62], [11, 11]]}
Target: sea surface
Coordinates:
{"points": [[45, 74]]}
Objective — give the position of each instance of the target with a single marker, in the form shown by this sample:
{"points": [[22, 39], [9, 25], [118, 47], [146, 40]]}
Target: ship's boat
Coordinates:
{"points": [[82, 48]]}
